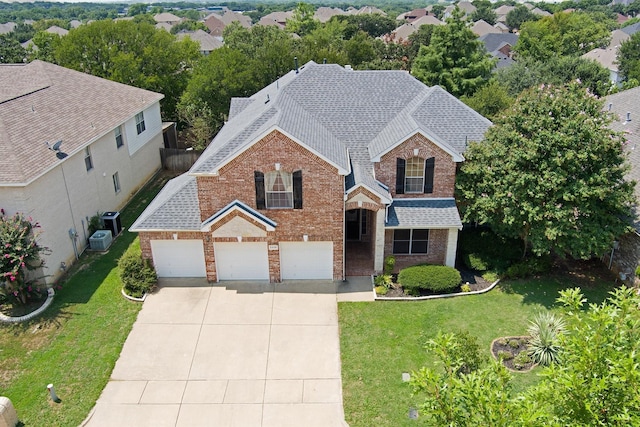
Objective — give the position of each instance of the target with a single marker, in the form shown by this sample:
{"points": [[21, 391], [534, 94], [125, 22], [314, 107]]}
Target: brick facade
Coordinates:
{"points": [[444, 174], [436, 250], [321, 217]]}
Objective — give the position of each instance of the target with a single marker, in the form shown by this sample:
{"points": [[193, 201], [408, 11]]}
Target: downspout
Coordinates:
{"points": [[344, 231]]}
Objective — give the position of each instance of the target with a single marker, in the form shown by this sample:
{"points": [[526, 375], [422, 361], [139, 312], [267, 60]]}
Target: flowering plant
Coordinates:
{"points": [[19, 253]]}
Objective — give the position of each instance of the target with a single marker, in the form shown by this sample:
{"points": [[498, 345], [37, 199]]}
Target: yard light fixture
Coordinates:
{"points": [[53, 394]]}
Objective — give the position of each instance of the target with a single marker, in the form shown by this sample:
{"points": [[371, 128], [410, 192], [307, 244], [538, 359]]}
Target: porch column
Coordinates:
{"points": [[452, 247], [378, 253]]}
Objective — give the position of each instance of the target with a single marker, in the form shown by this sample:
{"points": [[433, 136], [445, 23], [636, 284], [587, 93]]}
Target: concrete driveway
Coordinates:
{"points": [[245, 354]]}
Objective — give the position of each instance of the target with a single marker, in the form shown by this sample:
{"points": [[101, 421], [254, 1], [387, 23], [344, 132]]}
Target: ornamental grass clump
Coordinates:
{"points": [[545, 329]]}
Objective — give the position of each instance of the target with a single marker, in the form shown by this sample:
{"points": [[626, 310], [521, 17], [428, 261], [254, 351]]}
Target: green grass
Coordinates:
{"points": [[381, 340], [76, 342]]}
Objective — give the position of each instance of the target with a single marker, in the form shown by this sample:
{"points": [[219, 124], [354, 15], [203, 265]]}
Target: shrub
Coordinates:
{"points": [[95, 223], [638, 272], [544, 329], [381, 290], [504, 355], [389, 265], [521, 360], [483, 250], [435, 278], [467, 351], [136, 274], [528, 267], [490, 276], [465, 288], [383, 280], [514, 343]]}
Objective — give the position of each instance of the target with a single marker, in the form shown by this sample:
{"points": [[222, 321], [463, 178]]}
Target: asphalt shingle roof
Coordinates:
{"points": [[347, 117], [427, 213], [622, 103], [42, 102]]}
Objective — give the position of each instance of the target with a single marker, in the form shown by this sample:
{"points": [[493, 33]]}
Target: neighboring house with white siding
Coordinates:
{"points": [[110, 137]]}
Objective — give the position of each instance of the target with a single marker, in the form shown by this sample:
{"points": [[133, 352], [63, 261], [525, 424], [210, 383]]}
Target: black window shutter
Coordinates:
{"points": [[259, 179], [297, 190], [429, 166], [400, 166]]}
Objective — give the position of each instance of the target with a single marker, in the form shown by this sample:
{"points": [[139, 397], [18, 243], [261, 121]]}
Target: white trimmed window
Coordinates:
{"points": [[414, 175], [116, 182], [410, 241], [278, 190], [87, 159], [140, 126], [117, 133]]}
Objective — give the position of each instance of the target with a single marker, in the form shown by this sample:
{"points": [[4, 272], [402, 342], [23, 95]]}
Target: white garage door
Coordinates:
{"points": [[179, 258], [306, 260], [242, 261]]}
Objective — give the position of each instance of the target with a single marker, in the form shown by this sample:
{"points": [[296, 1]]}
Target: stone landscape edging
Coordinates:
{"points": [[8, 319], [457, 294], [130, 298]]}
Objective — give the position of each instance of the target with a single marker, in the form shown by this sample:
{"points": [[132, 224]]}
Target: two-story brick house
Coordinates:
{"points": [[322, 167]]}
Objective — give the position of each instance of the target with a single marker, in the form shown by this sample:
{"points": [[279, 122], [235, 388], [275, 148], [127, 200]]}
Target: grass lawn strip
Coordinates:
{"points": [[76, 342], [381, 340]]}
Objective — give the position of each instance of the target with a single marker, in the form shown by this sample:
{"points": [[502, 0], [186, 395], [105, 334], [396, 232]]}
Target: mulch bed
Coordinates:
{"points": [[502, 345], [474, 280], [12, 308]]}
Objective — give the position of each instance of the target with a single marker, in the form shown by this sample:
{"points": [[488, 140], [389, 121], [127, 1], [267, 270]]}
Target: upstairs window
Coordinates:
{"points": [[140, 126], [87, 159], [415, 175], [278, 190], [117, 132]]}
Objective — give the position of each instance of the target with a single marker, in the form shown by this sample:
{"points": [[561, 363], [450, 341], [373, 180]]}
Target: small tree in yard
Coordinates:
{"points": [[20, 253], [596, 381], [551, 173]]}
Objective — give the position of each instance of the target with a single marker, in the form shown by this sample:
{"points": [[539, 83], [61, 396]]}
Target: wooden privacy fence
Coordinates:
{"points": [[177, 159]]}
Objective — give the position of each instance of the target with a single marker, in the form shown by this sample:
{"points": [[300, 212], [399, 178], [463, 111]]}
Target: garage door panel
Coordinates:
{"points": [[242, 261], [306, 260], [179, 258]]}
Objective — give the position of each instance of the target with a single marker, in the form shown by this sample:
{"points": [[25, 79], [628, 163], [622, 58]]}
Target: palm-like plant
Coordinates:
{"points": [[544, 329]]}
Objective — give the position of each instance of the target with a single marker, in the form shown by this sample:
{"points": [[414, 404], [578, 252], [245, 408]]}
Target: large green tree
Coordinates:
{"points": [[302, 22], [10, 50], [561, 34], [629, 58], [455, 59], [136, 54], [595, 383], [552, 173], [272, 48], [519, 15], [220, 76]]}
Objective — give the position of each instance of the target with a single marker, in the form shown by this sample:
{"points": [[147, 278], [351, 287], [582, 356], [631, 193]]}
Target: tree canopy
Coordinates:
{"points": [[133, 53], [561, 34], [455, 59], [629, 58], [552, 173], [595, 382]]}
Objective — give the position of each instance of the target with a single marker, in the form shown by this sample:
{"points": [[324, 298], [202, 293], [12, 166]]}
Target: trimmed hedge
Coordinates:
{"points": [[435, 278], [136, 274]]}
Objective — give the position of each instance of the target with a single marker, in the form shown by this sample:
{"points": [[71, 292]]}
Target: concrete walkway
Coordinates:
{"points": [[245, 354]]}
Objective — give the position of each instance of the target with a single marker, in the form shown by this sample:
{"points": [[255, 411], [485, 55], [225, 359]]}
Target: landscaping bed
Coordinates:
{"points": [[513, 352], [473, 279], [12, 308]]}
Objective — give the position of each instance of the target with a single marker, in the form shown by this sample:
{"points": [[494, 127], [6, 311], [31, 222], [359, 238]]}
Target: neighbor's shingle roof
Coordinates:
{"points": [[427, 213], [493, 41], [42, 102], [622, 103]]}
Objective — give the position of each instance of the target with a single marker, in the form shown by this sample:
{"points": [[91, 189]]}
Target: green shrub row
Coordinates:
{"points": [[529, 267], [435, 278], [483, 250]]}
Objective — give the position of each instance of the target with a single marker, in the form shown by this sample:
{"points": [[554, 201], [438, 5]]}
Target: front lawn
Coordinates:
{"points": [[76, 342], [381, 340]]}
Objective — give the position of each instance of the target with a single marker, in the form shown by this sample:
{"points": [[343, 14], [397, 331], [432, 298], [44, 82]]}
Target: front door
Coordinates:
{"points": [[356, 224]]}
